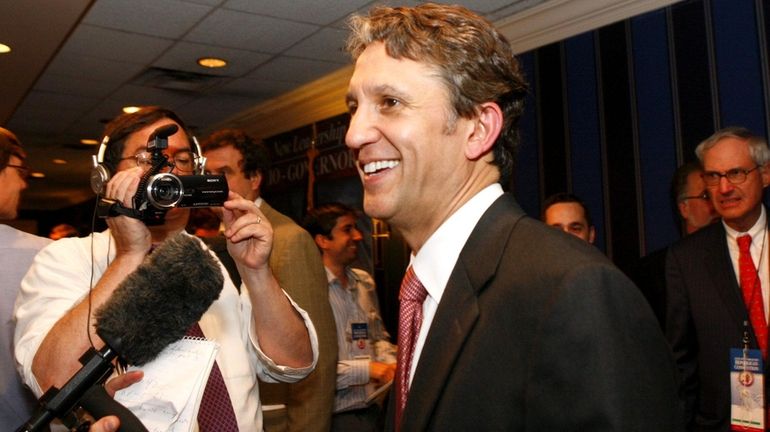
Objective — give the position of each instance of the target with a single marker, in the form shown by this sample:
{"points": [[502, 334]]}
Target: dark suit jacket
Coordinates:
{"points": [[649, 274], [705, 315], [537, 331]]}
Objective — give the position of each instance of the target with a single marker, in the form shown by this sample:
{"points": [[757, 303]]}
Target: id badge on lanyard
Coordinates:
{"points": [[747, 389]]}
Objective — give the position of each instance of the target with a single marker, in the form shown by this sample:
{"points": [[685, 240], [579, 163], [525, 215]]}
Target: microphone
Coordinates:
{"points": [[150, 309]]}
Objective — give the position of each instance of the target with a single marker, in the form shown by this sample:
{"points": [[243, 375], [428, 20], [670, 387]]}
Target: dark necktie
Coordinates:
{"points": [[216, 411], [410, 319], [752, 292]]}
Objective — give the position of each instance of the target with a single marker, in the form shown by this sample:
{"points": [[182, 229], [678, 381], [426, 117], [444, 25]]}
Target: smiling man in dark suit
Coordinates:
{"points": [[706, 309], [523, 327]]}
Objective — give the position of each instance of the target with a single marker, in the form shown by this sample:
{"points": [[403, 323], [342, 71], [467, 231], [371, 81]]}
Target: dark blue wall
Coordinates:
{"points": [[614, 111]]}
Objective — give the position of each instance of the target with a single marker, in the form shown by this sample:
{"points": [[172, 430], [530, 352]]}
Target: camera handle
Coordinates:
{"points": [[107, 207]]}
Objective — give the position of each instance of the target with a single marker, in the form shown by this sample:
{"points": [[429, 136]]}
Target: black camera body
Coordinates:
{"points": [[158, 192], [164, 191]]}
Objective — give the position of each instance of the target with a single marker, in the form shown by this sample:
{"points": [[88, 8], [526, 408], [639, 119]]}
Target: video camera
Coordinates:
{"points": [[160, 191]]}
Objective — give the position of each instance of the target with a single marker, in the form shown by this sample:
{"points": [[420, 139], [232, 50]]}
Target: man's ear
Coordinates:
{"points": [[320, 241], [487, 126], [256, 182], [764, 171]]}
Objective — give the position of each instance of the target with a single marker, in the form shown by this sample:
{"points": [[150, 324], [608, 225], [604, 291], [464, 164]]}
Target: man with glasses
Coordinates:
{"points": [[17, 249], [717, 280], [259, 330], [692, 198]]}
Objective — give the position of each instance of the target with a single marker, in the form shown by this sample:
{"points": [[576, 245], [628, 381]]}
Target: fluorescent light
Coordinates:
{"points": [[4, 48], [131, 109]]}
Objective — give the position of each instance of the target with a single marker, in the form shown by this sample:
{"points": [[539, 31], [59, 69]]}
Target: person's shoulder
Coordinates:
{"points": [[702, 239], [17, 239]]}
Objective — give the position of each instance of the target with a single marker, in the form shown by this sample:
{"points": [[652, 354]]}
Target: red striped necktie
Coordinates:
{"points": [[412, 295], [751, 288], [216, 411]]}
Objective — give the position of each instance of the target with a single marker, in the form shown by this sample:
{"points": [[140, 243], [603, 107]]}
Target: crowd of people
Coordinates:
{"points": [[493, 333]]}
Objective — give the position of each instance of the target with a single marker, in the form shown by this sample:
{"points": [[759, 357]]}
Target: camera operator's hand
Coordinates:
{"points": [[249, 233], [131, 235], [121, 381], [105, 424]]}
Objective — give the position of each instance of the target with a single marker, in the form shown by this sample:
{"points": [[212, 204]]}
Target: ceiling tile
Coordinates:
{"points": [[235, 29], [164, 18], [115, 45], [328, 44], [312, 11], [74, 86], [70, 64], [143, 96]]}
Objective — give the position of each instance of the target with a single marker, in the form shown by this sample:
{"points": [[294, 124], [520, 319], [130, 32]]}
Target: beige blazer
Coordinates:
{"points": [[296, 263]]}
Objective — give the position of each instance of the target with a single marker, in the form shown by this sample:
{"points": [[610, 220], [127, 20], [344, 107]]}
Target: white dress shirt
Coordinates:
{"points": [[435, 261]]}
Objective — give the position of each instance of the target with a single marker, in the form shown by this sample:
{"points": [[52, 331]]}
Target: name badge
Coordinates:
{"points": [[360, 334], [747, 388]]}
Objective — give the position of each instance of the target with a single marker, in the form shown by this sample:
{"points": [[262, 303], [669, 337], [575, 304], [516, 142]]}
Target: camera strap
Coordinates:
{"points": [[106, 207]]}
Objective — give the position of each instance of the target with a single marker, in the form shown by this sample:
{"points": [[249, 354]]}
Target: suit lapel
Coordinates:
{"points": [[458, 310], [720, 270]]}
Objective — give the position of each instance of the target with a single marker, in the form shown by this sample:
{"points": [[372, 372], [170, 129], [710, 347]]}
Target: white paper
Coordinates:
{"points": [[169, 395]]}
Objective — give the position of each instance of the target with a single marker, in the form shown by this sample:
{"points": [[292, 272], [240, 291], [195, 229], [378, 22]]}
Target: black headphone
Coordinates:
{"points": [[100, 174]]}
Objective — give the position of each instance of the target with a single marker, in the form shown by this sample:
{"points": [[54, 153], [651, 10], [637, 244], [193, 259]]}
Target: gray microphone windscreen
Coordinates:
{"points": [[156, 305]]}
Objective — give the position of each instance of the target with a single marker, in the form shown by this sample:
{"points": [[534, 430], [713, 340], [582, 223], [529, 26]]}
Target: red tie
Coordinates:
{"points": [[752, 292], [216, 411], [410, 319]]}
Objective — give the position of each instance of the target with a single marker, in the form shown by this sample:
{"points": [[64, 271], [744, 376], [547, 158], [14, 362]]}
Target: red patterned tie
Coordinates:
{"points": [[410, 319], [752, 292], [216, 411]]}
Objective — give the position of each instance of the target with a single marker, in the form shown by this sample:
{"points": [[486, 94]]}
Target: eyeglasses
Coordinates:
{"points": [[734, 176], [184, 160], [704, 196], [23, 171]]}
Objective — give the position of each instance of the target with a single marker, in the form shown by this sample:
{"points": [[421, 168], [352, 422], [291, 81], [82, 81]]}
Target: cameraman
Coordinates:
{"points": [[260, 331]]}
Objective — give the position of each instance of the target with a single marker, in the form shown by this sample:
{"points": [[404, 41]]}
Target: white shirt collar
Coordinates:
{"points": [[755, 231], [434, 262]]}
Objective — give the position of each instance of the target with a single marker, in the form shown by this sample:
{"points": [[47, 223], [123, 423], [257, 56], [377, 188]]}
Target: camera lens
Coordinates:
{"points": [[164, 190]]}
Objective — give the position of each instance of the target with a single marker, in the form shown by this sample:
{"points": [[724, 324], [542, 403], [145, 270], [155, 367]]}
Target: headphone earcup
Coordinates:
{"points": [[100, 175]]}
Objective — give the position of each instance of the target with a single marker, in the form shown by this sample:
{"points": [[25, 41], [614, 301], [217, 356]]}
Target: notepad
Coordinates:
{"points": [[169, 395]]}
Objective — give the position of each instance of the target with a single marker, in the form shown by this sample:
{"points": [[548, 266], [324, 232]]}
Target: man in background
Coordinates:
{"points": [[505, 324], [17, 249], [692, 198], [568, 213], [366, 360], [298, 267], [692, 205], [717, 287]]}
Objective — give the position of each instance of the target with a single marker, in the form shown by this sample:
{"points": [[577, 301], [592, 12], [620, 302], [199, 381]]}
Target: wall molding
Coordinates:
{"points": [[540, 25]]}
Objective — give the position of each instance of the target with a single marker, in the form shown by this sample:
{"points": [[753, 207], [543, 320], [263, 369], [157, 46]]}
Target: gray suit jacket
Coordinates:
{"points": [[537, 331], [705, 315]]}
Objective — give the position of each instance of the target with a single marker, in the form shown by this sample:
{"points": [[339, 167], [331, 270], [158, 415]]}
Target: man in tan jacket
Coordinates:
{"points": [[297, 265]]}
